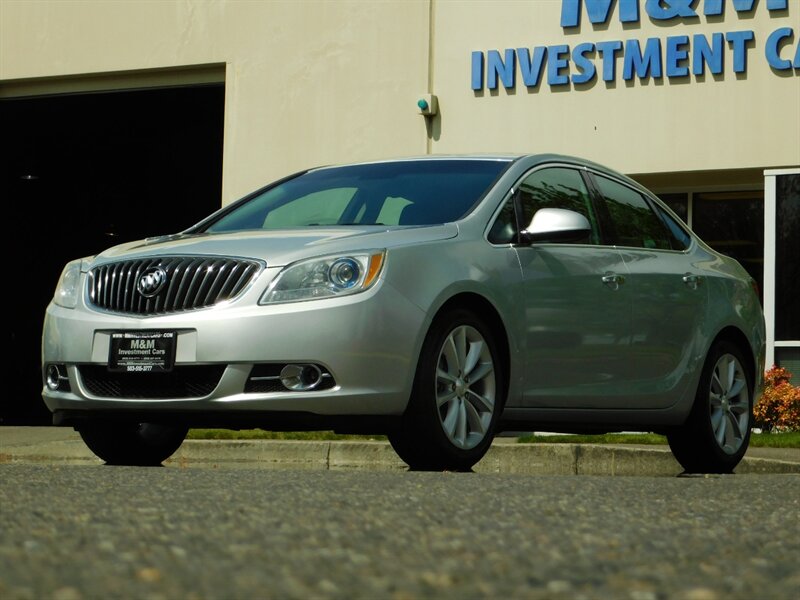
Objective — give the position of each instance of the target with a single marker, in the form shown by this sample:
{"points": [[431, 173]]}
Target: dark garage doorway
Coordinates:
{"points": [[83, 172]]}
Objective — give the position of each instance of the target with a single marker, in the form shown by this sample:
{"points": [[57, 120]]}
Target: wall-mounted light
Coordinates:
{"points": [[428, 105]]}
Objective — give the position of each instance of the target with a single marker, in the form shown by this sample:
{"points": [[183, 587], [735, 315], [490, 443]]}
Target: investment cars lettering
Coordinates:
{"points": [[675, 56]]}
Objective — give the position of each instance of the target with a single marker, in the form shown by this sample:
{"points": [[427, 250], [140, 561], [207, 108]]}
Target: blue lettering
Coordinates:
{"points": [[704, 54], [772, 49], [585, 66], [664, 10], [531, 69], [477, 70], [645, 64], [598, 11], [717, 7], [608, 53], [557, 59], [777, 4], [496, 68], [738, 41], [677, 54], [796, 61]]}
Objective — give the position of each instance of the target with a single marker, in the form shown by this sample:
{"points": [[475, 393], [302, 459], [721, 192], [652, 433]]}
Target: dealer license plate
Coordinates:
{"points": [[142, 351]]}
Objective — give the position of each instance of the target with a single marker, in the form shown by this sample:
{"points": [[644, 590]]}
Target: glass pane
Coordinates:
{"points": [[787, 264], [632, 221], [679, 237], [733, 223], [789, 359], [678, 203], [319, 208], [430, 192], [556, 188], [504, 229], [391, 210]]}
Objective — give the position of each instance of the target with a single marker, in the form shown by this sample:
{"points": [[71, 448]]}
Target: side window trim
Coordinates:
{"points": [[509, 196], [604, 223], [661, 211], [517, 187], [605, 217]]}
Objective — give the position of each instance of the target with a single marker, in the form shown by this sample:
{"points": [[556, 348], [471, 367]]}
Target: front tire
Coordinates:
{"points": [[133, 444], [458, 394], [717, 432]]}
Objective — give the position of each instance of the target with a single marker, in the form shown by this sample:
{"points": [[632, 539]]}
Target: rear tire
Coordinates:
{"points": [[457, 398], [133, 444], [716, 434]]}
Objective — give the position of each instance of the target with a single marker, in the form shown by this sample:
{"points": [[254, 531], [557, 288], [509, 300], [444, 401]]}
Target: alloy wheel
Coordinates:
{"points": [[465, 387], [729, 404]]}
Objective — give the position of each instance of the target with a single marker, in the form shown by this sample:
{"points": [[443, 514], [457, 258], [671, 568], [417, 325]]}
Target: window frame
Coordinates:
{"points": [[512, 195], [606, 225]]}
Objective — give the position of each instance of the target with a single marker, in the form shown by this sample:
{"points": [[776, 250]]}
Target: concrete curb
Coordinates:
{"points": [[507, 458]]}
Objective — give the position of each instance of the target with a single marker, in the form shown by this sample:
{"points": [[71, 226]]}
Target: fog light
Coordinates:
{"points": [[54, 377], [300, 377]]}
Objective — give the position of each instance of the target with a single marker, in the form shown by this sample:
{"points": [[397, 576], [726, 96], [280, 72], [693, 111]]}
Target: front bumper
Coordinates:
{"points": [[368, 343]]}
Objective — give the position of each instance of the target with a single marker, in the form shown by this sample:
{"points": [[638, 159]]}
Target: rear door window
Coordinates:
{"points": [[629, 219], [678, 236]]}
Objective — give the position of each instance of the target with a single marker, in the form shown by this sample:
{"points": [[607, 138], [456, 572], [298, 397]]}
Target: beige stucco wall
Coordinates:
{"points": [[679, 125], [314, 82], [307, 83]]}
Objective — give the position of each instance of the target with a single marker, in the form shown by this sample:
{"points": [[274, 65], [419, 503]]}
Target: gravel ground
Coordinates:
{"points": [[76, 532]]}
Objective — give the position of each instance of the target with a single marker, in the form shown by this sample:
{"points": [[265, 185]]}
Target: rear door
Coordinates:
{"points": [[668, 294]]}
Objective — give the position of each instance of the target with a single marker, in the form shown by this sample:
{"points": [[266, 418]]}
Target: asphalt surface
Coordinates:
{"points": [[74, 532], [263, 519]]}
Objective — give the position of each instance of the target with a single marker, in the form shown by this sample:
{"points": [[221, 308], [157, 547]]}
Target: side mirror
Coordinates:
{"points": [[556, 225]]}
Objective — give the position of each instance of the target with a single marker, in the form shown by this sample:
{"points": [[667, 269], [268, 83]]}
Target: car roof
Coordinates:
{"points": [[504, 157], [526, 161]]}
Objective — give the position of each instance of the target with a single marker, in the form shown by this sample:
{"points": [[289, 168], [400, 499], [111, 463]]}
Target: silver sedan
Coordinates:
{"points": [[438, 300]]}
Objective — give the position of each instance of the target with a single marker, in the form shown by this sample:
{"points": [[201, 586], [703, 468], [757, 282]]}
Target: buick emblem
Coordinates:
{"points": [[152, 281]]}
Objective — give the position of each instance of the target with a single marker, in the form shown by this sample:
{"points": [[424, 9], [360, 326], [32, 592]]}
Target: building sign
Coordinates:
{"points": [[672, 56]]}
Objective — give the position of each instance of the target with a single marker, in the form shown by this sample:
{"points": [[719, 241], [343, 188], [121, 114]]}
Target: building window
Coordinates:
{"points": [[732, 223], [787, 265], [782, 268]]}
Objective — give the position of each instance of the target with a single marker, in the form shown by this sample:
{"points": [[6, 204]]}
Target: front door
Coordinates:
{"points": [[577, 312], [576, 309]]}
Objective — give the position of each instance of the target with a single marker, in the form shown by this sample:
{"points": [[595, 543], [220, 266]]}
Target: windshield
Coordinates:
{"points": [[421, 192]]}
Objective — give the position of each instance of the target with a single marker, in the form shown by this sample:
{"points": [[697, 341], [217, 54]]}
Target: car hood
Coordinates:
{"points": [[281, 247]]}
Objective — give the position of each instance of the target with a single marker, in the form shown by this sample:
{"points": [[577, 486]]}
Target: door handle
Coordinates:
{"points": [[692, 280], [613, 280]]}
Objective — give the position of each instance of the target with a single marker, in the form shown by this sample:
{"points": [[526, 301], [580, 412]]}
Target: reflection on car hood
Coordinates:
{"points": [[281, 247]]}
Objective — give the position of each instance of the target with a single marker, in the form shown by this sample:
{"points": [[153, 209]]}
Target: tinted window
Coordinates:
{"points": [[678, 203], [504, 229], [679, 237], [631, 221], [320, 208], [787, 266], [392, 193], [556, 188]]}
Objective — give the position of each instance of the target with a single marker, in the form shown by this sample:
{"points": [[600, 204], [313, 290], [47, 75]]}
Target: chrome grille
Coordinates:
{"points": [[192, 282]]}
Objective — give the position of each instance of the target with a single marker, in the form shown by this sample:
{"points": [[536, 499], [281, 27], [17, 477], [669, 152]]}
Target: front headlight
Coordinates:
{"points": [[69, 284], [325, 277]]}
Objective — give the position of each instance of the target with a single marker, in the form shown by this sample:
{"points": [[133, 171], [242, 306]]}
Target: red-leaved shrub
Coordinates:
{"points": [[779, 406]]}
